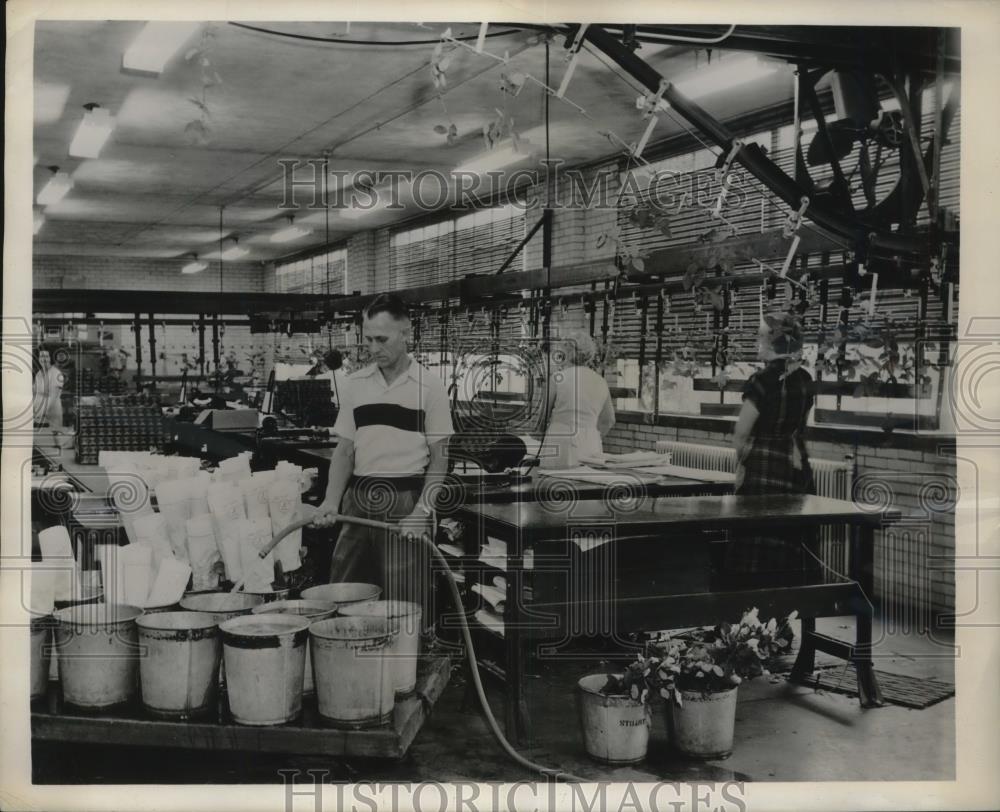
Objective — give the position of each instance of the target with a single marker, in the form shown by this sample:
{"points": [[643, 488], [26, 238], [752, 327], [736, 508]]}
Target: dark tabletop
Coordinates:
{"points": [[649, 514], [552, 490]]}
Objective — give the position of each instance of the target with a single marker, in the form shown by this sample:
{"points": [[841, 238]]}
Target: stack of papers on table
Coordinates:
{"points": [[496, 598], [633, 459], [584, 474], [688, 473], [490, 620]]}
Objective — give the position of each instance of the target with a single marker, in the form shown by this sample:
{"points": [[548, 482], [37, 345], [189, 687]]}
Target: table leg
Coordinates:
{"points": [[516, 710], [805, 660], [862, 571]]}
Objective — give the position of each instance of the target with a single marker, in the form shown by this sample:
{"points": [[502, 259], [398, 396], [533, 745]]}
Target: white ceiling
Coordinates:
{"points": [[152, 193]]}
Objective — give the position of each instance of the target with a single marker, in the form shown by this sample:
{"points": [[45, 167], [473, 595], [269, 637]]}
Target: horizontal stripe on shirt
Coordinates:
{"points": [[389, 414]]}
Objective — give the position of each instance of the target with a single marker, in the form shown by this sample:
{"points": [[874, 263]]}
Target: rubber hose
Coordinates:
{"points": [[466, 637]]}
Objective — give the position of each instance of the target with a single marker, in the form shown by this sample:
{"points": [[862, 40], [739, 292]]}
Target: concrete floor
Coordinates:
{"points": [[783, 733]]}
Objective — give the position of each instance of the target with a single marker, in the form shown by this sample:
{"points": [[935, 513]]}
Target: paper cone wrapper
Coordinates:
{"points": [[57, 552], [283, 504]]}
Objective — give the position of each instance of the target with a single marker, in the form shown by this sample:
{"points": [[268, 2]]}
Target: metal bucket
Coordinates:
{"points": [[221, 605], [265, 661], [355, 680], [41, 654], [615, 728], [312, 611], [97, 645], [404, 652], [165, 607], [703, 726], [179, 670], [344, 593]]}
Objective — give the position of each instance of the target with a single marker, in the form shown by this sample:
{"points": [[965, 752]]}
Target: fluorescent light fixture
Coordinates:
{"points": [[155, 45], [727, 73], [289, 233], [92, 133], [39, 221], [194, 266], [497, 158], [234, 252], [56, 189]]}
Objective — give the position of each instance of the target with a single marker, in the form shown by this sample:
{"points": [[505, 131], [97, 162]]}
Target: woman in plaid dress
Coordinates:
{"points": [[768, 438]]}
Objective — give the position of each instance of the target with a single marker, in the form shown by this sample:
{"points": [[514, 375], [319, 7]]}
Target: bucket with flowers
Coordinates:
{"points": [[699, 674], [615, 714]]}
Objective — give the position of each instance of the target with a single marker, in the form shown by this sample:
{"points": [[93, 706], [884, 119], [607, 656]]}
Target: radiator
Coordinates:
{"points": [[833, 479], [696, 455]]}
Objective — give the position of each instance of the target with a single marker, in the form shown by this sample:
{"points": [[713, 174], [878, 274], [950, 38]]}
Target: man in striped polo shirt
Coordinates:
{"points": [[393, 429]]}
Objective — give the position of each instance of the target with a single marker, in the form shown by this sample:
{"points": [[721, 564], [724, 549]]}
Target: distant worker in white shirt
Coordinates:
{"points": [[393, 425], [579, 404]]}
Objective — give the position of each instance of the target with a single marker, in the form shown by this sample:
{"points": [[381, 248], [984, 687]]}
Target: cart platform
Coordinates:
{"points": [[307, 735]]}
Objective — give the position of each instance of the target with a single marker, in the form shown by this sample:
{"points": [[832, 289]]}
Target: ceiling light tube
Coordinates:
{"points": [[497, 158], [290, 232], [56, 189], [727, 73], [234, 252], [194, 266], [93, 132], [39, 221], [155, 45]]}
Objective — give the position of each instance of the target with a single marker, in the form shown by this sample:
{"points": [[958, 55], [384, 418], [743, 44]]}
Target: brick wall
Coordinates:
{"points": [[380, 272], [116, 273], [575, 228]]}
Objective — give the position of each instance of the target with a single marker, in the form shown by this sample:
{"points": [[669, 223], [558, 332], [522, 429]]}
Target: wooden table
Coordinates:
{"points": [[552, 492], [681, 524]]}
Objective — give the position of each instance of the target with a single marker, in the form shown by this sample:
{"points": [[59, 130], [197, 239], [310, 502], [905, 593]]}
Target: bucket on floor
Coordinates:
{"points": [[179, 669], [404, 652], [265, 658], [41, 654], [355, 681], [343, 594], [703, 725], [97, 646], [221, 605], [615, 728], [312, 611]]}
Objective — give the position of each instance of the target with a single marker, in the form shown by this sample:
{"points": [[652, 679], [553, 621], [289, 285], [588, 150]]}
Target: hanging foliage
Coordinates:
{"points": [[441, 61], [198, 131]]}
